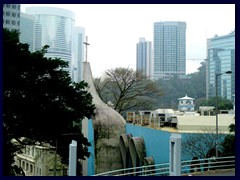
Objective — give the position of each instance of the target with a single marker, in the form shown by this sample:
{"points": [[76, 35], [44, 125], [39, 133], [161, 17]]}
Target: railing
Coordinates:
{"points": [[188, 167], [202, 165]]}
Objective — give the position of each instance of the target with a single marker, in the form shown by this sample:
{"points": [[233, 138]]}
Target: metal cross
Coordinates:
{"points": [[86, 43]]}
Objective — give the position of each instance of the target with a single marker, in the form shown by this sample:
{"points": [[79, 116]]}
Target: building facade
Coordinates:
{"points": [[78, 53], [220, 59], [169, 49], [11, 16], [144, 57], [186, 103], [54, 27], [40, 161], [27, 30]]}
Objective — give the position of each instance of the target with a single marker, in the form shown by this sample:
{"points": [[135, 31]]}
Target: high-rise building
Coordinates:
{"points": [[169, 49], [27, 30], [54, 27], [220, 59], [11, 16], [144, 57], [78, 53]]}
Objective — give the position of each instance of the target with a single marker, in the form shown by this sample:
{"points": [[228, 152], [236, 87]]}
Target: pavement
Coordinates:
{"points": [[223, 172]]}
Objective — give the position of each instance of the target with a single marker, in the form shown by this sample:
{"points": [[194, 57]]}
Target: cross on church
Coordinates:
{"points": [[86, 43]]}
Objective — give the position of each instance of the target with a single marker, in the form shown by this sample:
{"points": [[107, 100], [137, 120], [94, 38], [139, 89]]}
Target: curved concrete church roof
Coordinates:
{"points": [[108, 125]]}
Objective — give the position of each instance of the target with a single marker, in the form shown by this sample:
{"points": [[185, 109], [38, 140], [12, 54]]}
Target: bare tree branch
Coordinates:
{"points": [[125, 87]]}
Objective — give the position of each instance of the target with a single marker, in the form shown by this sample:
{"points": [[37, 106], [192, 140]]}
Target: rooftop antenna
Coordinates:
{"points": [[86, 43]]}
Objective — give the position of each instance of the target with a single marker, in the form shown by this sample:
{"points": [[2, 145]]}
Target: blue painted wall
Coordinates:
{"points": [[91, 148], [156, 141]]}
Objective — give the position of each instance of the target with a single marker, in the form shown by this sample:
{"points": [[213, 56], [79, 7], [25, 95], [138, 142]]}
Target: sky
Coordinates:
{"points": [[113, 30]]}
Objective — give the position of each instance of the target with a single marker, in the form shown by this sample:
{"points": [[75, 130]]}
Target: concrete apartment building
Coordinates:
{"points": [[11, 16], [169, 49], [144, 57]]}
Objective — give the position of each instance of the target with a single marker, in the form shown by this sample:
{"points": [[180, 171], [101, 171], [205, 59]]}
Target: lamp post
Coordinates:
{"points": [[216, 83]]}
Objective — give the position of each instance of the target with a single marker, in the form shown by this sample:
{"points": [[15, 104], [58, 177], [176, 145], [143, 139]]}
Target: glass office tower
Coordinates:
{"points": [[220, 59], [54, 27], [27, 30]]}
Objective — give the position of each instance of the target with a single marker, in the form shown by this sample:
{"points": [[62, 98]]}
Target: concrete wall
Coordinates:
{"points": [[156, 141]]}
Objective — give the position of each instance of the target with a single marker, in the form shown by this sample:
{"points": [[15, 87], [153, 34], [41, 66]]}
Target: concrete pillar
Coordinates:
{"points": [[72, 159], [175, 155]]}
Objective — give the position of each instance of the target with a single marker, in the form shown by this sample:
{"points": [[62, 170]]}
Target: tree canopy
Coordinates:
{"points": [[194, 85], [40, 101], [229, 142], [223, 103]]}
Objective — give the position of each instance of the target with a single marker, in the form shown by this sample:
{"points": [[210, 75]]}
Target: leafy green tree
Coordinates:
{"points": [[223, 103], [40, 101], [127, 90], [194, 85]]}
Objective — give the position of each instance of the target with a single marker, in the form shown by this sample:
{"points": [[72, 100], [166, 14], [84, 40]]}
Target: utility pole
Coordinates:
{"points": [[216, 84], [86, 43]]}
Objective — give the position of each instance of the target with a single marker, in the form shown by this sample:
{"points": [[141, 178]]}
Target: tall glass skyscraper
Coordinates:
{"points": [[27, 30], [54, 27], [144, 57], [220, 59], [169, 49], [78, 53]]}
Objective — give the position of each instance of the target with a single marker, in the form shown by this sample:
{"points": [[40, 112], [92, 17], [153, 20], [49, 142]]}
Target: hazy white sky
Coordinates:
{"points": [[113, 30]]}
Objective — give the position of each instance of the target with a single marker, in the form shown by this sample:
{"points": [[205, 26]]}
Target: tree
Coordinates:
{"points": [[223, 103], [40, 101], [200, 144], [194, 85], [229, 142], [127, 90]]}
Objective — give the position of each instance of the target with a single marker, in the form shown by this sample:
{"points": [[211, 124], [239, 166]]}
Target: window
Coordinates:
{"points": [[13, 14], [7, 21], [13, 6], [31, 168], [8, 5], [23, 164], [27, 166], [7, 13], [13, 22]]}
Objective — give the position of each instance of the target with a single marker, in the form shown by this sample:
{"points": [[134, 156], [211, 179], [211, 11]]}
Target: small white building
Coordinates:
{"points": [[186, 104]]}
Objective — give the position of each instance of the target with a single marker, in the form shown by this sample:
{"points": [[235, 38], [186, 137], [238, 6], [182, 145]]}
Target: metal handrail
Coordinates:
{"points": [[188, 167]]}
